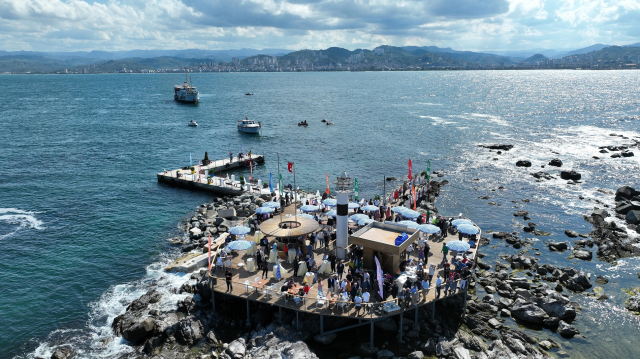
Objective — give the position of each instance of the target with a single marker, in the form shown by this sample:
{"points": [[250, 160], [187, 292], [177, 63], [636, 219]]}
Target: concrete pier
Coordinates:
{"points": [[221, 183]]}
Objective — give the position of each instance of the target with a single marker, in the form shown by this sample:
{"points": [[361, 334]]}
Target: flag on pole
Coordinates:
{"points": [[250, 170], [209, 252], [327, 191], [409, 169], [413, 192], [270, 182], [281, 186], [355, 189], [290, 166], [379, 277], [190, 160]]}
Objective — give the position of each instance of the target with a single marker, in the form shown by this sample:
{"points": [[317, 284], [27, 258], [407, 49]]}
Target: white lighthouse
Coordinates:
{"points": [[342, 210]]}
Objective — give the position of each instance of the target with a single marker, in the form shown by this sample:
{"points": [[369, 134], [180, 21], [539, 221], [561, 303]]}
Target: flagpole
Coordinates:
{"points": [[295, 198], [279, 187]]}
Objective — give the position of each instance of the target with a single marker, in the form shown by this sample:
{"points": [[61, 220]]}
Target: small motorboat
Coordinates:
{"points": [[192, 123], [248, 94], [303, 123], [329, 123], [249, 126], [323, 120]]}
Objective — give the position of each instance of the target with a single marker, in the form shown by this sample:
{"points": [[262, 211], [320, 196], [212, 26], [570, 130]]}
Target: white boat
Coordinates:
{"points": [[249, 126], [192, 123], [186, 92]]}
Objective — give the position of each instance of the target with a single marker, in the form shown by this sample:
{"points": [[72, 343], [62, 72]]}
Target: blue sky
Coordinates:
{"points": [[75, 25]]}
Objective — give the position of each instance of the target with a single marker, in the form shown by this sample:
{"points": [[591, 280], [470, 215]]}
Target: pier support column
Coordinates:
{"points": [[248, 314], [400, 327], [371, 336], [321, 324], [212, 288], [464, 308], [415, 320]]}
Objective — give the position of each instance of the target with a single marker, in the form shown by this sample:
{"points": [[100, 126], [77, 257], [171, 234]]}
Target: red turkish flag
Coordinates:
{"points": [[409, 169], [290, 166]]}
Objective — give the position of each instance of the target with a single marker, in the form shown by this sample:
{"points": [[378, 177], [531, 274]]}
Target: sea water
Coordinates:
{"points": [[85, 227]]}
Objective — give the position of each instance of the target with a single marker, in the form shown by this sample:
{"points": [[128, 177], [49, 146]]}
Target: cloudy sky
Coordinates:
{"points": [[71, 25]]}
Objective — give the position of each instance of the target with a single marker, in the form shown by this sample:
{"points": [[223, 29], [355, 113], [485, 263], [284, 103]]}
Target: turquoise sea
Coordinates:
{"points": [[84, 226]]}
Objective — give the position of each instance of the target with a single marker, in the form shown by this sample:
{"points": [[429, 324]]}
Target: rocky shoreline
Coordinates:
{"points": [[533, 294]]}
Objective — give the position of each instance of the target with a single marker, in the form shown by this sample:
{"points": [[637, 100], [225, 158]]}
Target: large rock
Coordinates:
{"points": [[227, 213], [558, 246], [583, 254], [237, 349], [571, 233], [633, 303], [384, 354], [556, 305], [633, 217], [387, 324], [567, 330], [188, 331], [416, 355], [523, 163], [570, 175], [139, 331], [61, 353], [527, 312], [325, 339], [556, 162], [625, 192], [498, 147], [578, 283], [461, 353]]}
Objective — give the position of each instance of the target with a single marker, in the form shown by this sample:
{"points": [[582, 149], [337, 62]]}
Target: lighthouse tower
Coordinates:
{"points": [[343, 191]]}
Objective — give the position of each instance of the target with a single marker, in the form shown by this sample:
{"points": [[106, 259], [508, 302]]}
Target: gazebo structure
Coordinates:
{"points": [[289, 226], [378, 239]]}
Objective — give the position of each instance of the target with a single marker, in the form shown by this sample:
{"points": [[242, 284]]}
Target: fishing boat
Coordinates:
{"points": [[186, 93], [192, 123], [249, 126]]}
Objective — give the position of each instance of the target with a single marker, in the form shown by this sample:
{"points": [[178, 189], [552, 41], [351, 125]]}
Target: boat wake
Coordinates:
{"points": [[16, 220]]}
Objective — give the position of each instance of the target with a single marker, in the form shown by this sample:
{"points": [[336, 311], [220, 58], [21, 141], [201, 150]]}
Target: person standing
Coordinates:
{"points": [[432, 269], [320, 287], [358, 301], [425, 289], [445, 250], [332, 260], [230, 156], [438, 286], [421, 254], [445, 228], [340, 270], [265, 270], [409, 250], [228, 278]]}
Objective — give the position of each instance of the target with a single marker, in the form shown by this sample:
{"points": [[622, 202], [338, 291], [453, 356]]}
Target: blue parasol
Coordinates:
{"points": [[370, 208], [239, 245], [264, 210], [468, 229], [459, 221], [409, 213], [239, 230], [458, 246], [271, 204], [332, 213], [365, 221], [330, 202], [399, 209], [410, 224], [309, 208], [428, 228], [305, 215], [353, 205], [358, 217]]}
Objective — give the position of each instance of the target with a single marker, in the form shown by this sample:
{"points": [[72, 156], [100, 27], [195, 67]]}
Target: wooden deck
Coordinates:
{"points": [[243, 288]]}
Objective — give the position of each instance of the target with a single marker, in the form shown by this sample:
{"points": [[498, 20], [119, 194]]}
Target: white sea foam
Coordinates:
{"points": [[97, 339], [20, 219]]}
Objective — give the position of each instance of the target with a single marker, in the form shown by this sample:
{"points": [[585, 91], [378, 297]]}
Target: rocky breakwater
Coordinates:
{"points": [[529, 297], [611, 237], [218, 216]]}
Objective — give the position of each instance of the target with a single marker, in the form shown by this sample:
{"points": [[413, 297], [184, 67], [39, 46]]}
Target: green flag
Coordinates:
{"points": [[428, 166], [355, 189], [281, 186]]}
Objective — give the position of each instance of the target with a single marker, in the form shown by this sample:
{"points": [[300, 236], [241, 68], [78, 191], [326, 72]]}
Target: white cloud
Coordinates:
{"points": [[68, 25]]}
